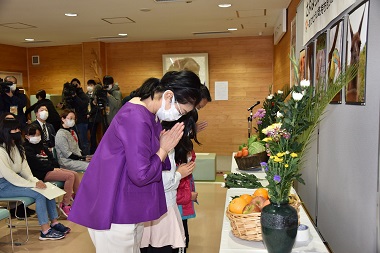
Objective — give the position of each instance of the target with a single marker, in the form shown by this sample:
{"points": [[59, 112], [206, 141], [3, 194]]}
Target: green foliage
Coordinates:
{"points": [[242, 180]]}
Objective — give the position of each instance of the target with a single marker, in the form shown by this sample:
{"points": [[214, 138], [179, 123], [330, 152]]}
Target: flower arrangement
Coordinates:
{"points": [[287, 138]]}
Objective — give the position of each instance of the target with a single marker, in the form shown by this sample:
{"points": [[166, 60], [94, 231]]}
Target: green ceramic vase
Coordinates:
{"points": [[279, 223]]}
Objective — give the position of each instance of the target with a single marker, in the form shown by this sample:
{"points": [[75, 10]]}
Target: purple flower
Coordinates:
{"points": [[259, 122], [264, 165], [277, 178]]}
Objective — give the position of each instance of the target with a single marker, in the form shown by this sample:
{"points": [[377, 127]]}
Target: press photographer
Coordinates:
{"points": [[113, 97], [74, 98]]}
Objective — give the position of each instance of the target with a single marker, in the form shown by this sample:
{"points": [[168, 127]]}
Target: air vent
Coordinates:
{"points": [[36, 41], [171, 1], [118, 20], [109, 38], [211, 33], [18, 25]]}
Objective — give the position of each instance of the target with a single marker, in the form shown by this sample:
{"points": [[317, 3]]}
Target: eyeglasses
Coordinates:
{"points": [[179, 109]]}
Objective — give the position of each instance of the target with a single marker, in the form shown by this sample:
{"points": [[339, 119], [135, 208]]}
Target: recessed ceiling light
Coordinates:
{"points": [[71, 14], [224, 5], [123, 34], [232, 29], [29, 39]]}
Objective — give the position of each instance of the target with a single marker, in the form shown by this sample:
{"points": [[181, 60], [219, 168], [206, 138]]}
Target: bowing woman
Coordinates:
{"points": [[122, 186]]}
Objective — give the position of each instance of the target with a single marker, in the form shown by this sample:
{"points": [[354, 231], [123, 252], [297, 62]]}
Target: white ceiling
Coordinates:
{"points": [[177, 19]]}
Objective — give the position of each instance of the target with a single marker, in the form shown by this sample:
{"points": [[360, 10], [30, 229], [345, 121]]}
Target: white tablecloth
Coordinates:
{"points": [[231, 244]]}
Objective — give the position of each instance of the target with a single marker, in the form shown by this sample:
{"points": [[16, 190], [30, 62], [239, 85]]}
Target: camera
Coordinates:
{"points": [[101, 96], [5, 87], [69, 91]]}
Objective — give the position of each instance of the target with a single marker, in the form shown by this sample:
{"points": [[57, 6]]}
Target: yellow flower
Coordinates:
{"points": [[267, 139], [280, 154], [286, 165], [271, 128], [294, 155], [277, 159]]}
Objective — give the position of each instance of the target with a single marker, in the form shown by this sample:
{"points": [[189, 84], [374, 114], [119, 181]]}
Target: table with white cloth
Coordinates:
{"points": [[231, 244]]}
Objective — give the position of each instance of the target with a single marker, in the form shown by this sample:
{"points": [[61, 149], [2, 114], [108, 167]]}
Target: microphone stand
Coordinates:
{"points": [[250, 124]]}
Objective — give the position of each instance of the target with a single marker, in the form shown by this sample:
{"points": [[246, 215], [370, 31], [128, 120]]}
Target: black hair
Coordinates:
{"points": [[205, 93], [38, 106], [185, 145], [6, 140], [5, 114], [91, 81], [184, 84], [31, 129], [75, 79], [107, 80], [41, 94]]}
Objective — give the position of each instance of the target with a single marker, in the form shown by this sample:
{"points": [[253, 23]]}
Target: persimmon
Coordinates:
{"points": [[261, 192], [237, 205], [245, 152], [244, 148], [246, 197], [239, 154]]}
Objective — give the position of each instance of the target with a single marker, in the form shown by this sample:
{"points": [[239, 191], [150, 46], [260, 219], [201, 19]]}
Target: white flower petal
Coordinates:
{"points": [[305, 83], [297, 96], [280, 92], [225, 176], [279, 114]]}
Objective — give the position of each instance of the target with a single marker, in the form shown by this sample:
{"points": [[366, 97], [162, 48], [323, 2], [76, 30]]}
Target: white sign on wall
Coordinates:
{"points": [[319, 13]]}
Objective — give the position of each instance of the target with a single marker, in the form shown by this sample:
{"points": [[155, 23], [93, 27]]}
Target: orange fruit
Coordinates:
{"points": [[237, 205], [246, 197], [245, 152], [261, 192], [244, 148], [239, 154]]}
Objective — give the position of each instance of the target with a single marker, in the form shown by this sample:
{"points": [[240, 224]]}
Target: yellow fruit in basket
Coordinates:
{"points": [[237, 205], [246, 197], [261, 192]]}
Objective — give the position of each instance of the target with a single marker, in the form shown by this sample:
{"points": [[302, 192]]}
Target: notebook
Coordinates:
{"points": [[51, 191]]}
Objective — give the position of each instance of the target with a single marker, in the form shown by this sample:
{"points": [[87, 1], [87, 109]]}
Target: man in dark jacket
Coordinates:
{"points": [[46, 129], [54, 117]]}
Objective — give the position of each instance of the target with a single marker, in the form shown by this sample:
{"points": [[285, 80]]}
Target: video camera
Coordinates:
{"points": [[69, 91], [100, 93], [5, 87]]}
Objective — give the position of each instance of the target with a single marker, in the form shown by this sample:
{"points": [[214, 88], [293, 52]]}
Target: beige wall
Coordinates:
{"points": [[246, 63]]}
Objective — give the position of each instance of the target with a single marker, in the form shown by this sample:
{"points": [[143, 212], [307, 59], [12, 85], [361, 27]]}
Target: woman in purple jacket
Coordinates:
{"points": [[122, 187]]}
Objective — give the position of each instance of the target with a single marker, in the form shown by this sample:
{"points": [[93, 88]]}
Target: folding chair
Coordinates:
{"points": [[5, 214], [22, 200]]}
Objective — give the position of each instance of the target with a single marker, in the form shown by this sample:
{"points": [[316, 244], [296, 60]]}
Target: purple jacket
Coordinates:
{"points": [[123, 183]]}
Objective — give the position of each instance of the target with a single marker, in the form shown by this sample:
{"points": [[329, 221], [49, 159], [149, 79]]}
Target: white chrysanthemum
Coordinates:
{"points": [[297, 96], [225, 176], [270, 96], [280, 92], [305, 83], [279, 114]]}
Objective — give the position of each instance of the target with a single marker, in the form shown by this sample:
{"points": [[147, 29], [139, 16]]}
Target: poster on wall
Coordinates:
{"points": [[310, 58], [335, 50], [318, 14], [320, 60], [356, 53], [302, 64], [292, 51]]}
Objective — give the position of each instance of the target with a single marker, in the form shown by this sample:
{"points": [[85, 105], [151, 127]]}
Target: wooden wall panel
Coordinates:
{"points": [[13, 59], [246, 63], [281, 75], [57, 65]]}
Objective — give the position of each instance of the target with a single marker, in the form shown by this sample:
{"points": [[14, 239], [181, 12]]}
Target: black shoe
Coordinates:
{"points": [[30, 212], [20, 212]]}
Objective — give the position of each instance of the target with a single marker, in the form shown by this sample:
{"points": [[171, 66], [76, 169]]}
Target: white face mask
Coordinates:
{"points": [[35, 139], [90, 88], [44, 115], [70, 122], [168, 115], [109, 87], [13, 87]]}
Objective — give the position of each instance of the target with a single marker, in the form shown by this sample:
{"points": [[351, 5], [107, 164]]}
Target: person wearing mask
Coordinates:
{"points": [[66, 144], [53, 118], [95, 115], [114, 201], [46, 129], [114, 98], [16, 180], [206, 98], [46, 168], [12, 100]]}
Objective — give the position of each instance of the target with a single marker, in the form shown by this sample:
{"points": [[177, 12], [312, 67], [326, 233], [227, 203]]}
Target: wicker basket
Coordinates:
{"points": [[252, 161], [248, 226]]}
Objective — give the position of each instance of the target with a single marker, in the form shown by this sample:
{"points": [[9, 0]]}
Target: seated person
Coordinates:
{"points": [[16, 180], [46, 168], [66, 144], [46, 129]]}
